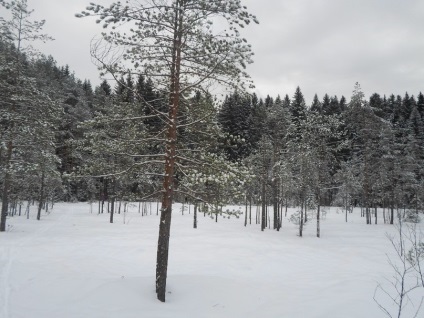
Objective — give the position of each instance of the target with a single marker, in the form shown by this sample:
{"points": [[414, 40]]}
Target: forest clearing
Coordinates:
{"points": [[77, 264]]}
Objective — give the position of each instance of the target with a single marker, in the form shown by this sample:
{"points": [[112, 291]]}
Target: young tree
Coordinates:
{"points": [[277, 124], [173, 43], [23, 103]]}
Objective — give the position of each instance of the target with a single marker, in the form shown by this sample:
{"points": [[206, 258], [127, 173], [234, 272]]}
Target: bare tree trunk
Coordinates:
{"points": [[275, 204], [250, 210], [6, 188], [103, 196], [285, 213], [245, 211], [170, 156], [318, 221], [195, 216], [318, 215], [268, 217], [41, 198], [301, 219], [305, 208], [346, 198], [5, 202], [384, 212], [263, 223], [112, 209], [27, 209], [375, 209]]}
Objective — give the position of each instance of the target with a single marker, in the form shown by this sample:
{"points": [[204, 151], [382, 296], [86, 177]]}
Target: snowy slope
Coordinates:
{"points": [[74, 263]]}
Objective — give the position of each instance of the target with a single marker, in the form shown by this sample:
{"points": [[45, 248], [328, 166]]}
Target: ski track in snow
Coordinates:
{"points": [[6, 262], [9, 254]]}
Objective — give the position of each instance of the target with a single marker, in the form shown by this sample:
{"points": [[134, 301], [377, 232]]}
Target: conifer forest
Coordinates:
{"points": [[152, 134]]}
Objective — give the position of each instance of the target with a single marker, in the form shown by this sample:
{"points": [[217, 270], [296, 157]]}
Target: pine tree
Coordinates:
{"points": [[22, 100], [186, 54]]}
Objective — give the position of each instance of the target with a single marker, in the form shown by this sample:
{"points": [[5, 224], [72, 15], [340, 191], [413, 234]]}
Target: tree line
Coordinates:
{"points": [[73, 142], [360, 152], [62, 139]]}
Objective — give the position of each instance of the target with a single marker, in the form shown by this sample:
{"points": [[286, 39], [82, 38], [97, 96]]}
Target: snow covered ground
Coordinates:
{"points": [[74, 263]]}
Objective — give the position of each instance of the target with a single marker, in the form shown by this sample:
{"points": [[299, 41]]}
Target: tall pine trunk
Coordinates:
{"points": [[6, 187], [170, 156]]}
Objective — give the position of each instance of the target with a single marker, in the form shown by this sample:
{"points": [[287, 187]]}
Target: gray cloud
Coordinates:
{"points": [[323, 46]]}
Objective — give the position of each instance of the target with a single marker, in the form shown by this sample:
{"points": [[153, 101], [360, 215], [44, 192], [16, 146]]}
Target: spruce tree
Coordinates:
{"points": [[326, 104], [233, 117], [343, 104], [334, 107], [420, 104], [408, 103], [316, 105], [257, 121], [364, 131], [297, 113]]}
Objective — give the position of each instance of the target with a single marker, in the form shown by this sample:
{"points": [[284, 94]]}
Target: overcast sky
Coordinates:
{"points": [[323, 46]]}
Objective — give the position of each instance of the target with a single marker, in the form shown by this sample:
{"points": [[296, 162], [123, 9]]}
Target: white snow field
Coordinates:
{"points": [[74, 263]]}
